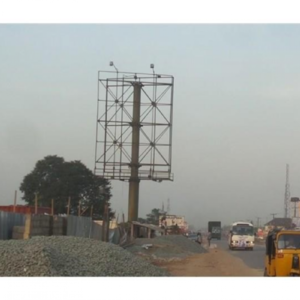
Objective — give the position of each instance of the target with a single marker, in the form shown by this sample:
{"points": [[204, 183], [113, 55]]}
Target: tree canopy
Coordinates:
{"points": [[54, 178], [153, 217]]}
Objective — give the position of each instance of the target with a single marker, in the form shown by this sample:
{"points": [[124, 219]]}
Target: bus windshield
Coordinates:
{"points": [[242, 230]]}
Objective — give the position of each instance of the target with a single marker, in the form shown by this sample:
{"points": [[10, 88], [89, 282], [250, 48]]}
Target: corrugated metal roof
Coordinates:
{"points": [[285, 222], [150, 226]]}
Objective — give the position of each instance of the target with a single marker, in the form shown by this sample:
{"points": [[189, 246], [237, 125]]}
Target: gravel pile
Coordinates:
{"points": [[166, 248], [70, 256]]}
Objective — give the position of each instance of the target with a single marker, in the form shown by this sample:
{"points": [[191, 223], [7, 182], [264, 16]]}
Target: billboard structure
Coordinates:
{"points": [[295, 201], [134, 129]]}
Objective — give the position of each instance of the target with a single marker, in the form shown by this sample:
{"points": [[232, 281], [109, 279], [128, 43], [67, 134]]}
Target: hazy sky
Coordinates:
{"points": [[236, 109]]}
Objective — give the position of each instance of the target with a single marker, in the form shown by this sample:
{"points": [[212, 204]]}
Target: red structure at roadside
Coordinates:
{"points": [[25, 209]]}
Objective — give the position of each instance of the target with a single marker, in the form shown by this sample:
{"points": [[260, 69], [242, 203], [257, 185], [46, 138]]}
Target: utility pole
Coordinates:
{"points": [[69, 203], [79, 208], [273, 215], [258, 218], [36, 203], [15, 201], [52, 207], [287, 194]]}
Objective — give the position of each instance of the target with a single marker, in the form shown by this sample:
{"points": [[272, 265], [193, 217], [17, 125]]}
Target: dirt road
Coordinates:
{"points": [[216, 262]]}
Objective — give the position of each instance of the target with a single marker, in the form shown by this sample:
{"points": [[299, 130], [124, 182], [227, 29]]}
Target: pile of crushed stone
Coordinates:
{"points": [[165, 248], [70, 256]]}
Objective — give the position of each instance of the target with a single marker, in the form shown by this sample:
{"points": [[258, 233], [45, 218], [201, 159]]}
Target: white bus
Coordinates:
{"points": [[241, 236]]}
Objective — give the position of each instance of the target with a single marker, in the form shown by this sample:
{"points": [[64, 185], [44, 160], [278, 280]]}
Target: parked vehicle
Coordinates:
{"points": [[195, 237], [192, 236], [282, 253], [214, 227], [241, 236]]}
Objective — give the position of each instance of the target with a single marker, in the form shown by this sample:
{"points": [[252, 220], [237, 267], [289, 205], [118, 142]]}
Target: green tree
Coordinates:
{"points": [[153, 217], [54, 178], [142, 220]]}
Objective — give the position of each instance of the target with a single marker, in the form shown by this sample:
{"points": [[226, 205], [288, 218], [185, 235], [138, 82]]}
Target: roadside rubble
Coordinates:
{"points": [[147, 246], [165, 248], [70, 256]]}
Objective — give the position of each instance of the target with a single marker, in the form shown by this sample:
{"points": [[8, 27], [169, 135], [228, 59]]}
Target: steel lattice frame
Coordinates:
{"points": [[115, 122]]}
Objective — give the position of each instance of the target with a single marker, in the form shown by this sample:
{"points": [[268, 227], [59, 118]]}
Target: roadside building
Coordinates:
{"points": [[278, 223], [168, 221], [112, 223]]}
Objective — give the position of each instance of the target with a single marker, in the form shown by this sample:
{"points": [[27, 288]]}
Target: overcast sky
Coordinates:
{"points": [[236, 110]]}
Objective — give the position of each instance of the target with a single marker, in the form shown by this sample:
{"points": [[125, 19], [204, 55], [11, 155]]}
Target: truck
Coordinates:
{"points": [[214, 227]]}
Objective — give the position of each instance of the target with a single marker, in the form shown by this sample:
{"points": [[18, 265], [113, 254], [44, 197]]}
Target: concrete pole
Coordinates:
{"points": [[104, 222], [107, 224], [69, 203], [15, 201], [52, 207], [134, 182], [92, 211], [36, 203]]}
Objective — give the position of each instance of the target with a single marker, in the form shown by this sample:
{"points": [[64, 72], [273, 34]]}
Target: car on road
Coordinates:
{"points": [[194, 237]]}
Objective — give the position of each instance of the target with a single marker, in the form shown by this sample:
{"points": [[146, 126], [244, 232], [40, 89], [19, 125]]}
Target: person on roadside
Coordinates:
{"points": [[209, 238], [199, 238]]}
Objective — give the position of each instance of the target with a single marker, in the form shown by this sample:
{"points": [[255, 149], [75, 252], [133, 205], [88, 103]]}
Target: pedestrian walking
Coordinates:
{"points": [[209, 238], [199, 238]]}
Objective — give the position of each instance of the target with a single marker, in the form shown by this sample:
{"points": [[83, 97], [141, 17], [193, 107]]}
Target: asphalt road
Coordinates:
{"points": [[254, 259]]}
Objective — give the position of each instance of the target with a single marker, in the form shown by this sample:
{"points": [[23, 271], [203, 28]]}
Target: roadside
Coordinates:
{"points": [[165, 249], [260, 241], [215, 262], [180, 256]]}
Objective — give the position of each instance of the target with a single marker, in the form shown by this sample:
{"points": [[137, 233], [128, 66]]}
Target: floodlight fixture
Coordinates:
{"points": [[111, 64], [152, 67]]}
